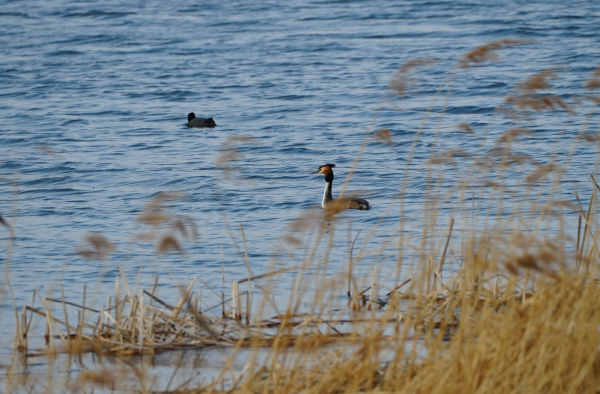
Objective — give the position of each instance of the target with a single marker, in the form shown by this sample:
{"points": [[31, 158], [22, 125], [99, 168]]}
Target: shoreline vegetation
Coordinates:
{"points": [[520, 314]]}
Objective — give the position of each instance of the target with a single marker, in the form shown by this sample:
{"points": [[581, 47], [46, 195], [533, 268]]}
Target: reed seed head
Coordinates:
{"points": [[167, 244], [591, 137], [513, 133], [465, 127], [448, 157], [487, 52], [540, 172], [96, 246], [230, 154], [401, 80], [385, 135], [48, 150], [593, 83], [537, 82]]}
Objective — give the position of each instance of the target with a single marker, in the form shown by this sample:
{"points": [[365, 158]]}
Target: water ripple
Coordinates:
{"points": [[95, 100]]}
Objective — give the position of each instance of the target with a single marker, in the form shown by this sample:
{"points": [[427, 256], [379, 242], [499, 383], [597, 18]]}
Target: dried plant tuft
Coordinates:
{"points": [[488, 51], [531, 100], [384, 135], [448, 157], [465, 127], [537, 82], [96, 246], [230, 154], [401, 80], [594, 81], [155, 215], [186, 227], [593, 84], [521, 158], [102, 378], [512, 134], [154, 219], [48, 150], [168, 243], [301, 225], [540, 172], [537, 104]]}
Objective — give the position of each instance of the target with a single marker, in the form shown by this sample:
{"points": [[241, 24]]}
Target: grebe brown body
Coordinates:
{"points": [[338, 204]]}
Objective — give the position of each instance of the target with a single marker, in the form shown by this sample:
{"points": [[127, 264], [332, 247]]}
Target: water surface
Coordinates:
{"points": [[95, 95]]}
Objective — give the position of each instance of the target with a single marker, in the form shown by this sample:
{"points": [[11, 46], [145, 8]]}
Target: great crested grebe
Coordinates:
{"points": [[342, 203], [199, 122]]}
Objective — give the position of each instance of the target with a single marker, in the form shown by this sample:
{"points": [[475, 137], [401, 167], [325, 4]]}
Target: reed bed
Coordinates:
{"points": [[517, 313]]}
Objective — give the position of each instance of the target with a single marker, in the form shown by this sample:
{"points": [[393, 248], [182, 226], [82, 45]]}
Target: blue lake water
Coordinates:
{"points": [[94, 97]]}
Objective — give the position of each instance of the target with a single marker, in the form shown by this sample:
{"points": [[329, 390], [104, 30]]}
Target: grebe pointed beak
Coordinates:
{"points": [[314, 172]]}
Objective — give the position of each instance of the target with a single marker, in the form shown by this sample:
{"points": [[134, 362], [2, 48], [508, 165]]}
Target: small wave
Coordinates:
{"points": [[174, 182], [470, 109], [53, 190], [175, 94], [98, 14], [294, 149], [64, 53], [72, 121], [496, 85], [291, 97], [14, 94], [103, 113], [401, 35], [151, 147], [45, 181], [11, 165], [14, 141], [90, 39], [16, 14]]}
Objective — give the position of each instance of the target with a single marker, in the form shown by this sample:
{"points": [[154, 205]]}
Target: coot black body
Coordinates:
{"points": [[199, 122]]}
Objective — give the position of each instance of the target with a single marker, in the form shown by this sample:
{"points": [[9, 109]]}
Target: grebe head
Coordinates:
{"points": [[326, 169], [191, 116]]}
